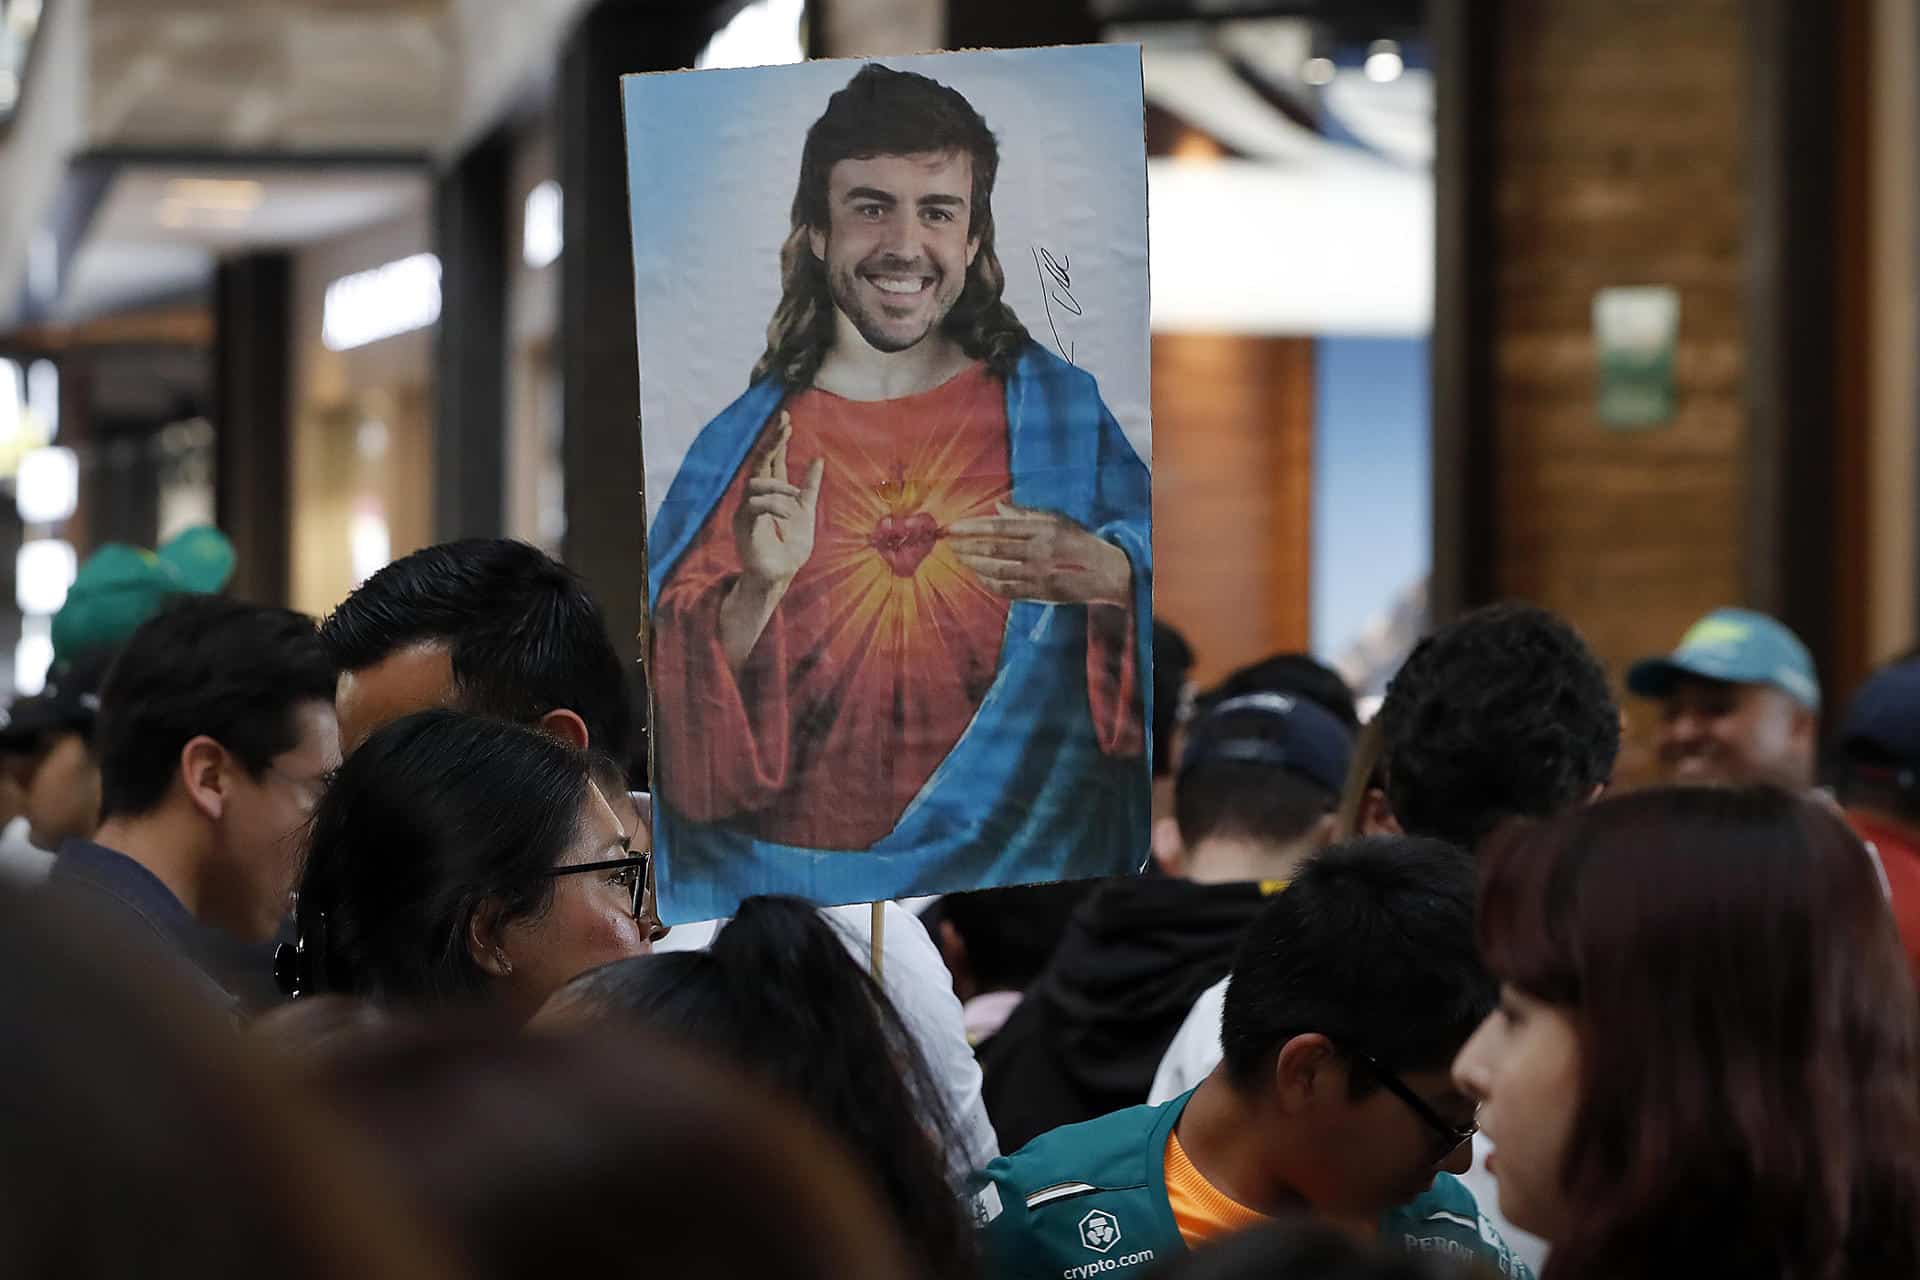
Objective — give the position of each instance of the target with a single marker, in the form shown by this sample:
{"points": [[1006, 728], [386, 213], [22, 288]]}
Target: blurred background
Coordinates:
{"points": [[1603, 303]]}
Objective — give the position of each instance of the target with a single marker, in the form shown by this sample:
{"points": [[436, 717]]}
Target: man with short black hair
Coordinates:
{"points": [[216, 734], [1296, 674], [53, 730], [1502, 713], [485, 625], [1255, 793], [1351, 993], [116, 589]]}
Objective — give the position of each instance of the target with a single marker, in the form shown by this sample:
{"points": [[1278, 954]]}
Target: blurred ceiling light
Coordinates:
{"points": [[225, 203], [43, 265], [369, 542], [1384, 63], [42, 572], [371, 439], [9, 88], [12, 399], [47, 489], [544, 235], [763, 34], [43, 397], [216, 193], [32, 656], [1195, 146], [382, 303], [1318, 71]]}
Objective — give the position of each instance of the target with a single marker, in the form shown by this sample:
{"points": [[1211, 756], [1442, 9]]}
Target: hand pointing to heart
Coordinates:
{"points": [[1024, 554]]}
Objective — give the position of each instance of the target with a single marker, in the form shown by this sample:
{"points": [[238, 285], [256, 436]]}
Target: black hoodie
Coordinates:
{"points": [[1093, 1027]]}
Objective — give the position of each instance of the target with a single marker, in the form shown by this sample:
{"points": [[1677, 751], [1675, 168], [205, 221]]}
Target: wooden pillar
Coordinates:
{"points": [[253, 423], [1464, 36], [470, 353], [605, 503]]}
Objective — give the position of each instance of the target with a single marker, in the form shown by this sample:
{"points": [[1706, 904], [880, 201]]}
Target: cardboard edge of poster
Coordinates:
{"points": [[877, 907]]}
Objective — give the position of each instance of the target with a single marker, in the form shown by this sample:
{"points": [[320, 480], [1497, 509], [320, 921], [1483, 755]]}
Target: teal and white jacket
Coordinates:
{"points": [[1090, 1200]]}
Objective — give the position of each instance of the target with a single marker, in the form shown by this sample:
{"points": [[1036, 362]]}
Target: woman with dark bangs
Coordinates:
{"points": [[1705, 1058]]}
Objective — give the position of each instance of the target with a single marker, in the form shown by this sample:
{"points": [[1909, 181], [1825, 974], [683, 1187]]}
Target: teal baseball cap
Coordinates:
{"points": [[120, 587], [1737, 646]]}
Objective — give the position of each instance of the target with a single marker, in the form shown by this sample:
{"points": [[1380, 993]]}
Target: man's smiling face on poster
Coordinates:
{"points": [[898, 246]]}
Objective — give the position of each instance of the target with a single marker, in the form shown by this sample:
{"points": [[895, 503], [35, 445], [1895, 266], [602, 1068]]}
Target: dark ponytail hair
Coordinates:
{"points": [[432, 815], [779, 994]]}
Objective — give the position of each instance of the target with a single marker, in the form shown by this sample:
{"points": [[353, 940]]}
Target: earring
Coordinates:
{"points": [[506, 965]]}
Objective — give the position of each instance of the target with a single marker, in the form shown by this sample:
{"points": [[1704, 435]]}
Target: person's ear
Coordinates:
{"points": [[1169, 850], [565, 725], [953, 951], [973, 249], [1376, 815], [817, 241], [1305, 1070], [1324, 831], [486, 941], [206, 771]]}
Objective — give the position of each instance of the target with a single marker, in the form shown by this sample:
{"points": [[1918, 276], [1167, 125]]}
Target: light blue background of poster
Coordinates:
{"points": [[714, 157]]}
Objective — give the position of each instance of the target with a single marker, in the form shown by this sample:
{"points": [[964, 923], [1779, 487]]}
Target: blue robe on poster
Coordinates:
{"points": [[1026, 794]]}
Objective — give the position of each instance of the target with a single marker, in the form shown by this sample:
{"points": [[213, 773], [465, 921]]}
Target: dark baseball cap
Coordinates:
{"points": [[1274, 729], [1882, 723], [69, 702]]}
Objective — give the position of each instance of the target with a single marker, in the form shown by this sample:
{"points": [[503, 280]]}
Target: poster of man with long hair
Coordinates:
{"points": [[893, 340]]}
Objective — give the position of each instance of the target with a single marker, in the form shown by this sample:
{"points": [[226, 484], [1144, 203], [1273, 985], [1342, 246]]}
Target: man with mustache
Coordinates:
{"points": [[902, 587]]}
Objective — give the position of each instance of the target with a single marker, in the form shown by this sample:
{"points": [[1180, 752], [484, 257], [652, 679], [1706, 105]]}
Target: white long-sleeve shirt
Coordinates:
{"points": [[915, 978]]}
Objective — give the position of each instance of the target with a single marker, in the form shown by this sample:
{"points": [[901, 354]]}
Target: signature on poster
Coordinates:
{"points": [[1056, 285]]}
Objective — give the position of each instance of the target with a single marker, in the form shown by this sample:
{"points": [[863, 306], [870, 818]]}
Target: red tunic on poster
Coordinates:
{"points": [[883, 647]]}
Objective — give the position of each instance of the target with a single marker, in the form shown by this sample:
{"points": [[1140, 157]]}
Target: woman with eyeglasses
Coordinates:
{"points": [[462, 860], [1705, 1061]]}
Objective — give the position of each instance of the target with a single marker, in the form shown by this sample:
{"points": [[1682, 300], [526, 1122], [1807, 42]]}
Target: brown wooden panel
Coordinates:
{"points": [[1849, 660], [1233, 480], [1622, 160], [1621, 141]]}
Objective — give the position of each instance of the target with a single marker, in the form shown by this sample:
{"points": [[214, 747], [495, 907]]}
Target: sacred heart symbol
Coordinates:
{"points": [[904, 541]]}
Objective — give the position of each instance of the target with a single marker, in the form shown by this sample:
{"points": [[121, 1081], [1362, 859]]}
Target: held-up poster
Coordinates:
{"points": [[893, 340]]}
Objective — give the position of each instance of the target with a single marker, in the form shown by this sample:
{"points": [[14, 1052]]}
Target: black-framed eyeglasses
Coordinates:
{"points": [[1447, 1138], [630, 874]]}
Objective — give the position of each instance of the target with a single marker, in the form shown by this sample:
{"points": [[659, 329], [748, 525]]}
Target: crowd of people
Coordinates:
{"points": [[346, 962]]}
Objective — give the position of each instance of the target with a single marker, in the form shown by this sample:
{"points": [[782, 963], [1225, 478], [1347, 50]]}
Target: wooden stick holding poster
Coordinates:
{"points": [[878, 930], [893, 323]]}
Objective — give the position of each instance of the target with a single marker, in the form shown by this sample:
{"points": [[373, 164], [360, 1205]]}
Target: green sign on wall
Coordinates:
{"points": [[1634, 332]]}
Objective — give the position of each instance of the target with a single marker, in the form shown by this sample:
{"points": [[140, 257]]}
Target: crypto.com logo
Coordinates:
{"points": [[1099, 1231]]}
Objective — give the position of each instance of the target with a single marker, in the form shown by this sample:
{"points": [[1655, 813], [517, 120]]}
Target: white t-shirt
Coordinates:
{"points": [[1195, 1052], [21, 861], [916, 980]]}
